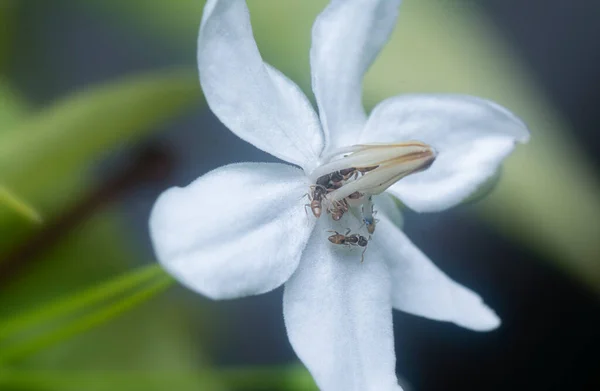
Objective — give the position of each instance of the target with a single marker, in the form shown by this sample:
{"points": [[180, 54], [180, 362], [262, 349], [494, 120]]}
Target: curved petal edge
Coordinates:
{"points": [[255, 101], [238, 230], [346, 38], [420, 288], [472, 136]]}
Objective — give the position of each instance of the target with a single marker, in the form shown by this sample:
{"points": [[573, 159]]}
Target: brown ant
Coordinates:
{"points": [[330, 182], [336, 179], [337, 209], [316, 198], [343, 175], [370, 223], [369, 220], [350, 240]]}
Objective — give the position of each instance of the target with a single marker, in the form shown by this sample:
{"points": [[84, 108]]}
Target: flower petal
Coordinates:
{"points": [[346, 38], [254, 100], [386, 204], [420, 288], [471, 135], [338, 317], [238, 230]]}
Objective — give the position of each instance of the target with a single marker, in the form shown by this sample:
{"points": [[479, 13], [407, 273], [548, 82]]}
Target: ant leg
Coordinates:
{"points": [[362, 257], [347, 232], [306, 211], [363, 224]]}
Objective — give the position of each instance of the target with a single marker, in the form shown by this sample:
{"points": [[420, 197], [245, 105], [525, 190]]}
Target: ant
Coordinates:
{"points": [[350, 240], [337, 209], [336, 179], [368, 218], [316, 198], [330, 182]]}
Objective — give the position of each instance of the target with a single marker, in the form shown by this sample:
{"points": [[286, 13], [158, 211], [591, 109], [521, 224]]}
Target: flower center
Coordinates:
{"points": [[351, 175]]}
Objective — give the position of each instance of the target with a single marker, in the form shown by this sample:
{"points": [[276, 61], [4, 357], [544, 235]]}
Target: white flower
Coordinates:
{"points": [[243, 229]]}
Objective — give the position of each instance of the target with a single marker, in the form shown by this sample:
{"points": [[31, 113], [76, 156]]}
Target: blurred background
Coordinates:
{"points": [[101, 110]]}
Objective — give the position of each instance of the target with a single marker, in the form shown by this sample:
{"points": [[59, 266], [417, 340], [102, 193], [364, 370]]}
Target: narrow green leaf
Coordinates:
{"points": [[12, 106], [84, 323], [292, 378], [287, 378], [154, 336], [69, 305], [79, 129], [44, 157], [108, 380], [13, 202]]}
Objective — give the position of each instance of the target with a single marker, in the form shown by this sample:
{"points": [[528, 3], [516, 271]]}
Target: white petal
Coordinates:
{"points": [[346, 38], [338, 317], [254, 100], [386, 203], [420, 288], [238, 230], [471, 135]]}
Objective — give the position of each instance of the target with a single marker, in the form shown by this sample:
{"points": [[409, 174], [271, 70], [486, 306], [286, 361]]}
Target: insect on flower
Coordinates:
{"points": [[369, 216], [337, 209], [431, 151], [348, 239], [315, 196]]}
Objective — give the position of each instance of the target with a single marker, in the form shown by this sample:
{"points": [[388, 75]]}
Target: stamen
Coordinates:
{"points": [[382, 165], [367, 155]]}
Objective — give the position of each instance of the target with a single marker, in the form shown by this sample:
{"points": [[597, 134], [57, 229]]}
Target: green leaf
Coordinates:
{"points": [[87, 321], [12, 107], [153, 336], [13, 202], [51, 312], [44, 157], [79, 129], [292, 378], [289, 378], [108, 380]]}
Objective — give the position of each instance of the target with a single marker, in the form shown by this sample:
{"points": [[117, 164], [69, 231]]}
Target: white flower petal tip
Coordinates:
{"points": [[471, 136], [486, 321], [346, 38], [236, 231], [466, 308], [255, 101], [420, 288]]}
